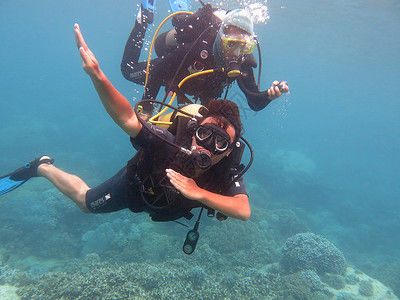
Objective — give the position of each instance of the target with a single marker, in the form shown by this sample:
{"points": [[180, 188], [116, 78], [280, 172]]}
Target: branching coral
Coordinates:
{"points": [[308, 251]]}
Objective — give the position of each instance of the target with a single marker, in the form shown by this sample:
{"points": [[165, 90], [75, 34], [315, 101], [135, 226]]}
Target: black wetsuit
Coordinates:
{"points": [[123, 190], [199, 57]]}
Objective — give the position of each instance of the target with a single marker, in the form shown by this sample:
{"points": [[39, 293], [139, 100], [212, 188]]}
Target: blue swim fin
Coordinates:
{"points": [[21, 175], [7, 184], [13, 180], [179, 5], [150, 5]]}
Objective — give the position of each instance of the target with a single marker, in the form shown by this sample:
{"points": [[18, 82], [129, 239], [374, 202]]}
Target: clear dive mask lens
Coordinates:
{"points": [[213, 138], [239, 44]]}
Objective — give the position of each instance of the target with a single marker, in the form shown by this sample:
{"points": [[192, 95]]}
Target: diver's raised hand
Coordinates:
{"points": [[277, 89], [187, 186], [89, 62], [117, 106], [236, 206]]}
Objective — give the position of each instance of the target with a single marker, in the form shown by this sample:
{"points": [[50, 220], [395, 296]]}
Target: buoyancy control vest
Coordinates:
{"points": [[194, 38], [146, 174], [189, 26]]}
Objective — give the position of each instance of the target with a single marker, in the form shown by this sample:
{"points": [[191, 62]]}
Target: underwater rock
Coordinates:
{"points": [[308, 251], [309, 285], [352, 279], [335, 281], [343, 295], [386, 272], [303, 285], [8, 292], [366, 288]]}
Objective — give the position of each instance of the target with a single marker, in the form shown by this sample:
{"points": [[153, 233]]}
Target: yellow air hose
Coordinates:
{"points": [[174, 95], [233, 73], [153, 41]]}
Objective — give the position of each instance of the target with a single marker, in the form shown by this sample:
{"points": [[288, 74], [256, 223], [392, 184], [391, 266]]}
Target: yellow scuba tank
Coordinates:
{"points": [[164, 121]]}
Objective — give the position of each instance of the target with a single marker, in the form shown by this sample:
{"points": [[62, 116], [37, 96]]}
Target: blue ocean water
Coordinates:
{"points": [[329, 150]]}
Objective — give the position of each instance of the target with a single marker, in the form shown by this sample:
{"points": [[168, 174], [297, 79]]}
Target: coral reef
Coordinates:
{"points": [[170, 280], [303, 285], [184, 278], [308, 251], [126, 256]]}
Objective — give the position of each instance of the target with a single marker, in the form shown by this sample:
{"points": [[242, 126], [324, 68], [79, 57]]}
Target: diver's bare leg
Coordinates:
{"points": [[70, 185]]}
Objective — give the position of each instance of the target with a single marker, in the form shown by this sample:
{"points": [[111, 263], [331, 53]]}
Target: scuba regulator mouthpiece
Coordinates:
{"points": [[201, 158], [233, 69], [234, 73]]}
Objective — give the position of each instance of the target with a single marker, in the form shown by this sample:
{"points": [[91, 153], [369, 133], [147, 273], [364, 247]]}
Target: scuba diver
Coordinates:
{"points": [[173, 171], [206, 40]]}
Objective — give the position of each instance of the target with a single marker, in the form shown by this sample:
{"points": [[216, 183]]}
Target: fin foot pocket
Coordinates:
{"points": [[33, 165]]}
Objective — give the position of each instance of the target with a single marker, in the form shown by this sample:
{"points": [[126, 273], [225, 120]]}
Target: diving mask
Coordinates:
{"points": [[238, 44], [213, 138]]}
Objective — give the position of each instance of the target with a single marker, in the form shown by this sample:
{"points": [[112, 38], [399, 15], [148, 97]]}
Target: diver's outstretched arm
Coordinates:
{"points": [[117, 106]]}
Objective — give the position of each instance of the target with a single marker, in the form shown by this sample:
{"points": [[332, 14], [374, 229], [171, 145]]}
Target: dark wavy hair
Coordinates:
{"points": [[226, 112]]}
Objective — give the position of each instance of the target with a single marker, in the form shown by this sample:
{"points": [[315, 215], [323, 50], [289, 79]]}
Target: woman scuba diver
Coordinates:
{"points": [[206, 40]]}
